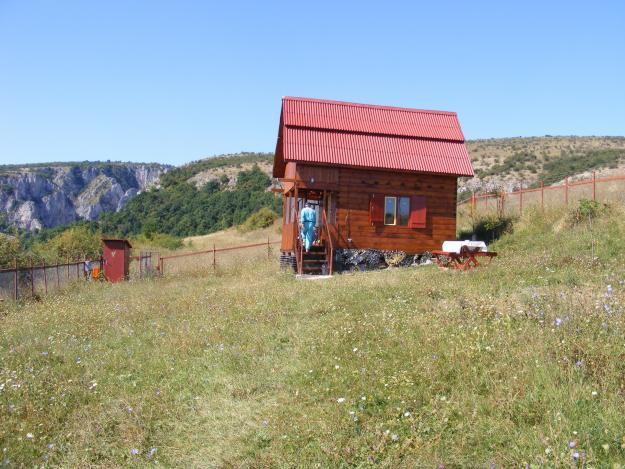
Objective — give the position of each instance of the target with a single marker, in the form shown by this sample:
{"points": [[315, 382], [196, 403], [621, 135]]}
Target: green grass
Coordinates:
{"points": [[416, 367]]}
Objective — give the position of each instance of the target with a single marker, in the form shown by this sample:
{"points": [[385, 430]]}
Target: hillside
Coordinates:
{"points": [[39, 196], [510, 163], [515, 364]]}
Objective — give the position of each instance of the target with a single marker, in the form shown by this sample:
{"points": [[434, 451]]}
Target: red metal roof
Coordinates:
{"points": [[330, 132]]}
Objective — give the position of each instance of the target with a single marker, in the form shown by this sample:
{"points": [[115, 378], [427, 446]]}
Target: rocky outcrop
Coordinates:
{"points": [[35, 197]]}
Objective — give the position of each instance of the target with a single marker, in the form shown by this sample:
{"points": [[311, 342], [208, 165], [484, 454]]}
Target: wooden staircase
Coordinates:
{"points": [[314, 260]]}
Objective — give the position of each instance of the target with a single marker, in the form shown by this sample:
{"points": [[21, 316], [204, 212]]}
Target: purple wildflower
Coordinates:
{"points": [[134, 451], [572, 444], [557, 322]]}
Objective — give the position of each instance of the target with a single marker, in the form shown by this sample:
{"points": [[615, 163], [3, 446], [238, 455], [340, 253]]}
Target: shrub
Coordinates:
{"points": [[73, 243], [263, 218], [585, 211], [488, 228]]}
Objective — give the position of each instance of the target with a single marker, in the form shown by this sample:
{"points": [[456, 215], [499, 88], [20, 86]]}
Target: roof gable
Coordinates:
{"points": [[349, 134]]}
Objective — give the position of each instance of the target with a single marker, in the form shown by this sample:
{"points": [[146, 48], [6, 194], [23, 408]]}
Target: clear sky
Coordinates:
{"points": [[174, 81]]}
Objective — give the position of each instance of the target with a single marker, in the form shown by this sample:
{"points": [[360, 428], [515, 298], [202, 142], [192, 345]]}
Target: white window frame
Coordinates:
{"points": [[386, 197]]}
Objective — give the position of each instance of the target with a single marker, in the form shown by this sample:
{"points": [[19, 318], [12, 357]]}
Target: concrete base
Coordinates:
{"points": [[312, 277]]}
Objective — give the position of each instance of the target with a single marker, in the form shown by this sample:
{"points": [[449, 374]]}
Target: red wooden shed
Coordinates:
{"points": [[116, 257], [379, 177]]}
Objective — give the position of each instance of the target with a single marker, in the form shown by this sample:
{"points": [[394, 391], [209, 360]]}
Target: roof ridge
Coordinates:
{"points": [[375, 106]]}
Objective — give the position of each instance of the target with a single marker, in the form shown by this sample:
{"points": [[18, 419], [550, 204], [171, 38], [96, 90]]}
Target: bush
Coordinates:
{"points": [[585, 211], [263, 218], [9, 249], [489, 228], [73, 243]]}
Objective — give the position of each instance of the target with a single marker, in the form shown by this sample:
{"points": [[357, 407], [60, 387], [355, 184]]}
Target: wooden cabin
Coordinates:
{"points": [[379, 177]]}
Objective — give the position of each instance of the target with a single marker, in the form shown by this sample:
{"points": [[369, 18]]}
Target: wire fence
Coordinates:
{"points": [[30, 281], [212, 259], [605, 189]]}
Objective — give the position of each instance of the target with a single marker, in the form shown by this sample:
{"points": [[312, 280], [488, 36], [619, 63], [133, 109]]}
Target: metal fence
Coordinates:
{"points": [[29, 281], [605, 189]]}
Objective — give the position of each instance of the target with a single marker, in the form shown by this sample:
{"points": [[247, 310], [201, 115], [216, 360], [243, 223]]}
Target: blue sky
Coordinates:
{"points": [[175, 81]]}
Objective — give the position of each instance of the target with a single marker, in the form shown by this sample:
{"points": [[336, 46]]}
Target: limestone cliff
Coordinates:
{"points": [[40, 196]]}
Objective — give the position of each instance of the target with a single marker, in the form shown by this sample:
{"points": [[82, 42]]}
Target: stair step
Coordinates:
{"points": [[312, 269], [314, 261]]}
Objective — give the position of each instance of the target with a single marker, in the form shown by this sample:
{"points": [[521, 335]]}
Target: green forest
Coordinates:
{"points": [[181, 209]]}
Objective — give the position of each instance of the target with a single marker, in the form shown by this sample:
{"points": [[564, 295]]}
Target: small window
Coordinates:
{"points": [[403, 211], [390, 204]]}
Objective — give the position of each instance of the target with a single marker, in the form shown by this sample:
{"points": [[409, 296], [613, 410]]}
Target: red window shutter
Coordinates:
{"points": [[376, 209], [418, 212]]}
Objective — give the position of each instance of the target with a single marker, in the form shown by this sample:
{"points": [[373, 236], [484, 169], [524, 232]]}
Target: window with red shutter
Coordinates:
{"points": [[376, 209], [418, 213]]}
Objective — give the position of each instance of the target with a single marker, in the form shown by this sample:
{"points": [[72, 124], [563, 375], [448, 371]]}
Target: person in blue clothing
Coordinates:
{"points": [[307, 221]]}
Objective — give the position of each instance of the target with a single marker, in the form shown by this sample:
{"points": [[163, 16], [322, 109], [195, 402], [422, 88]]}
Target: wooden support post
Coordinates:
{"points": [[214, 258], [32, 278], [45, 277], [566, 190], [15, 280], [594, 185], [58, 280], [542, 196], [268, 249], [78, 270], [140, 264], [67, 260]]}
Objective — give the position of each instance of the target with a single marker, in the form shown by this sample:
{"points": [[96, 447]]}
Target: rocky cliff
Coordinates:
{"points": [[39, 196]]}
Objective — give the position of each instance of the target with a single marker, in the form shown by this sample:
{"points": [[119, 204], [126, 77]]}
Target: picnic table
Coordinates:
{"points": [[461, 255]]}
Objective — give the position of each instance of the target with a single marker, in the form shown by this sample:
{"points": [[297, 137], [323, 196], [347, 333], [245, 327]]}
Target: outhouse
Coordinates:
{"points": [[116, 256]]}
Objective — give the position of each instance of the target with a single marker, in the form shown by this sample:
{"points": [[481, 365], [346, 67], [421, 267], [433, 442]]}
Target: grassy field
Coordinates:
{"points": [[521, 362]]}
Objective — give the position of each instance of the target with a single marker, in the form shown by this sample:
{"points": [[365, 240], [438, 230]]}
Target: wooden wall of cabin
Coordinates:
{"points": [[352, 215]]}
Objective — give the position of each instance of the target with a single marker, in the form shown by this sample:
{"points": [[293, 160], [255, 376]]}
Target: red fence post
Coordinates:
{"points": [[45, 277], [594, 186], [15, 280], [32, 278]]}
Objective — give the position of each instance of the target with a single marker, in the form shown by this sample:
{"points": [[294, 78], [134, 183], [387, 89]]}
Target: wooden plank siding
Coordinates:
{"points": [[353, 188], [356, 187]]}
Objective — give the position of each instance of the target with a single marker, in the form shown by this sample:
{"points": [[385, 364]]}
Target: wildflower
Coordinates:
{"points": [[78, 361], [594, 393], [575, 455], [394, 437], [50, 445], [610, 289], [129, 409], [406, 414], [151, 453], [606, 307], [355, 349], [579, 363], [340, 400], [30, 436], [221, 347], [572, 444], [557, 322], [134, 451], [44, 354], [336, 367]]}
